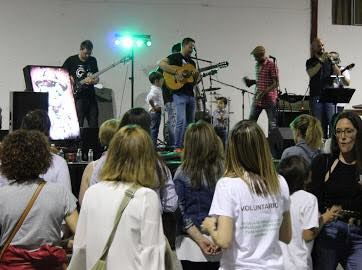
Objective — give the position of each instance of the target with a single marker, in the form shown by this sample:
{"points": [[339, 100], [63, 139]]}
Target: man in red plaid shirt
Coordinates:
{"points": [[266, 87]]}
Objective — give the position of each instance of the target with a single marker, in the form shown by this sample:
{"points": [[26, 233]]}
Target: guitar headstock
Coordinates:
{"points": [[223, 64]]}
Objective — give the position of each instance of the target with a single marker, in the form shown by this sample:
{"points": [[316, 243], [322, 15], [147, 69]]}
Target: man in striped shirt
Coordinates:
{"points": [[266, 87]]}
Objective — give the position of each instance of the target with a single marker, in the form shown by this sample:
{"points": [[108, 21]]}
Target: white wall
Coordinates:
{"points": [[47, 31], [346, 40]]}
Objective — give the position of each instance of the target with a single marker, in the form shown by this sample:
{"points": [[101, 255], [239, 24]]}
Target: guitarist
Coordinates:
{"points": [[81, 66], [266, 87], [183, 98]]}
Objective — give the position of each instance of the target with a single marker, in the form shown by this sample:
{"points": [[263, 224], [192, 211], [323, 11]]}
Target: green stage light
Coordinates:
{"points": [[129, 41]]}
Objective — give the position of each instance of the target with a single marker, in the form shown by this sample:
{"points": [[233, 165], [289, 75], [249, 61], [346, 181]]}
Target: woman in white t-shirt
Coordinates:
{"points": [[250, 208]]}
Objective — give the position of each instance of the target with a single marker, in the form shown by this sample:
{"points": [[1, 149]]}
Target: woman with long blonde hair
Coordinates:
{"points": [[308, 135], [250, 208], [195, 182], [139, 242]]}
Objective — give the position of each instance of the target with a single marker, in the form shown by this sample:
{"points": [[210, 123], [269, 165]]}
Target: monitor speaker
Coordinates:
{"points": [[23, 102], [280, 139]]}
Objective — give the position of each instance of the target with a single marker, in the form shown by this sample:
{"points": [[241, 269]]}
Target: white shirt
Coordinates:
{"points": [[257, 220], [139, 242], [58, 173], [155, 94], [304, 216]]}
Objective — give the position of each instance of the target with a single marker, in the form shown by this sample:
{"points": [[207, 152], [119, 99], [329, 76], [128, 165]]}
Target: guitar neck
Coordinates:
{"points": [[209, 67], [97, 74]]}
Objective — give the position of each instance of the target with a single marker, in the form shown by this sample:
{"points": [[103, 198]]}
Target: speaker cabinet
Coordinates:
{"points": [[280, 139], [23, 102]]}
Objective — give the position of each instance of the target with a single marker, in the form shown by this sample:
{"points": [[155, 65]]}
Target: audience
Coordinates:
{"points": [[250, 208], [58, 171], [195, 182], [24, 156], [166, 190], [106, 133], [336, 182], [308, 135], [304, 214], [139, 242]]}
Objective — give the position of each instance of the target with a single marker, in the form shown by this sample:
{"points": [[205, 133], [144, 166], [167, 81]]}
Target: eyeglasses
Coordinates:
{"points": [[348, 132]]}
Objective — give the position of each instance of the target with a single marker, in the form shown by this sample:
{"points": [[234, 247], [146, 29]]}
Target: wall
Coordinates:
{"points": [[346, 40], [47, 31]]}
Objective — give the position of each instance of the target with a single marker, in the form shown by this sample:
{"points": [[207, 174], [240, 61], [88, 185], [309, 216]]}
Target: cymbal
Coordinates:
{"points": [[212, 89]]}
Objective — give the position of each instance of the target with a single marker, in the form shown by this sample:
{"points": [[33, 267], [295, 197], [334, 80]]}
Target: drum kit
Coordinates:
{"points": [[210, 103]]}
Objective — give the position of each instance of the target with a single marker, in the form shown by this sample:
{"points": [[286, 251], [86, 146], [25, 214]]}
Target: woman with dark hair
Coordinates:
{"points": [[24, 156], [308, 134], [336, 182], [306, 221], [250, 208], [58, 171], [138, 242], [195, 182]]}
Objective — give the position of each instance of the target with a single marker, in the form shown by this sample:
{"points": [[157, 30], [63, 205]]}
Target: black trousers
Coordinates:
{"points": [[87, 108]]}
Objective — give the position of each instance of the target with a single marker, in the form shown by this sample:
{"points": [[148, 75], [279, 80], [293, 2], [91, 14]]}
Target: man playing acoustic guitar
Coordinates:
{"points": [[266, 87], [183, 97], [82, 66]]}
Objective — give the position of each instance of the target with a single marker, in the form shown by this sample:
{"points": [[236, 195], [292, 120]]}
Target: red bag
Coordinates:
{"points": [[45, 258]]}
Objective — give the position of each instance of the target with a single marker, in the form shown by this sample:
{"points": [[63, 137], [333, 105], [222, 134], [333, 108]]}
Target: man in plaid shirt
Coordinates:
{"points": [[266, 87]]}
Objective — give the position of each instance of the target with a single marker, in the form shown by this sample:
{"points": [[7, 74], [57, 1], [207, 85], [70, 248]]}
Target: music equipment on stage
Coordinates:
{"points": [[336, 95], [187, 71], [212, 89], [280, 139], [77, 87], [292, 98], [349, 67], [248, 82], [23, 102]]}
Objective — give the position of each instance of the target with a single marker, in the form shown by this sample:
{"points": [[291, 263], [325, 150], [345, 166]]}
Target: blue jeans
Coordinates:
{"points": [[222, 133], [155, 126], [185, 115], [171, 122], [338, 242], [324, 112], [271, 112]]}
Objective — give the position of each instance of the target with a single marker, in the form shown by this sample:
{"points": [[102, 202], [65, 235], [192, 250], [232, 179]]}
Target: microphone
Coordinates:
{"points": [[272, 57]]}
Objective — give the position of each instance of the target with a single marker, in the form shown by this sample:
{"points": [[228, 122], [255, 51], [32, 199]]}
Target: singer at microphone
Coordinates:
{"points": [[266, 82], [272, 57]]}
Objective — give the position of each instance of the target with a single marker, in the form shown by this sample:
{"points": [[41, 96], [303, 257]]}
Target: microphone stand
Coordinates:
{"points": [[203, 94], [243, 91]]}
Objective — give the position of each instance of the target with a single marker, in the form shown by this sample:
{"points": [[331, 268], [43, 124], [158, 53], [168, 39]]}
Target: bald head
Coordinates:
{"points": [[317, 46]]}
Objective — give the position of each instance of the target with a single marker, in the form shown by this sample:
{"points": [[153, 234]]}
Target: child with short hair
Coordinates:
{"points": [[220, 119], [155, 101], [306, 222]]}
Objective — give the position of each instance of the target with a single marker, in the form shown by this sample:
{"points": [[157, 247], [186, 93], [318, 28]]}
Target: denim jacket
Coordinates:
{"points": [[194, 203]]}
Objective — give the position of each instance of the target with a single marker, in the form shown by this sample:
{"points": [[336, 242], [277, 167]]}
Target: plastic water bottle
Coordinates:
{"points": [[61, 153], [90, 155], [79, 155]]}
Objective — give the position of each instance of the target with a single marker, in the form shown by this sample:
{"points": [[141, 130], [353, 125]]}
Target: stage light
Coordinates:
{"points": [[129, 41]]}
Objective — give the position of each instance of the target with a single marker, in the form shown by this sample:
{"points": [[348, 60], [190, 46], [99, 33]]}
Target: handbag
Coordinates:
{"points": [[129, 194], [22, 218]]}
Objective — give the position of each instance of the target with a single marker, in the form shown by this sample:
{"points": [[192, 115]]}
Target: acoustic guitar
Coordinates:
{"points": [[187, 72]]}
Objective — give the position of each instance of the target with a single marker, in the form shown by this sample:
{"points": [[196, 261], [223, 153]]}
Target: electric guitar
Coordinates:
{"points": [[78, 85], [187, 72]]}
